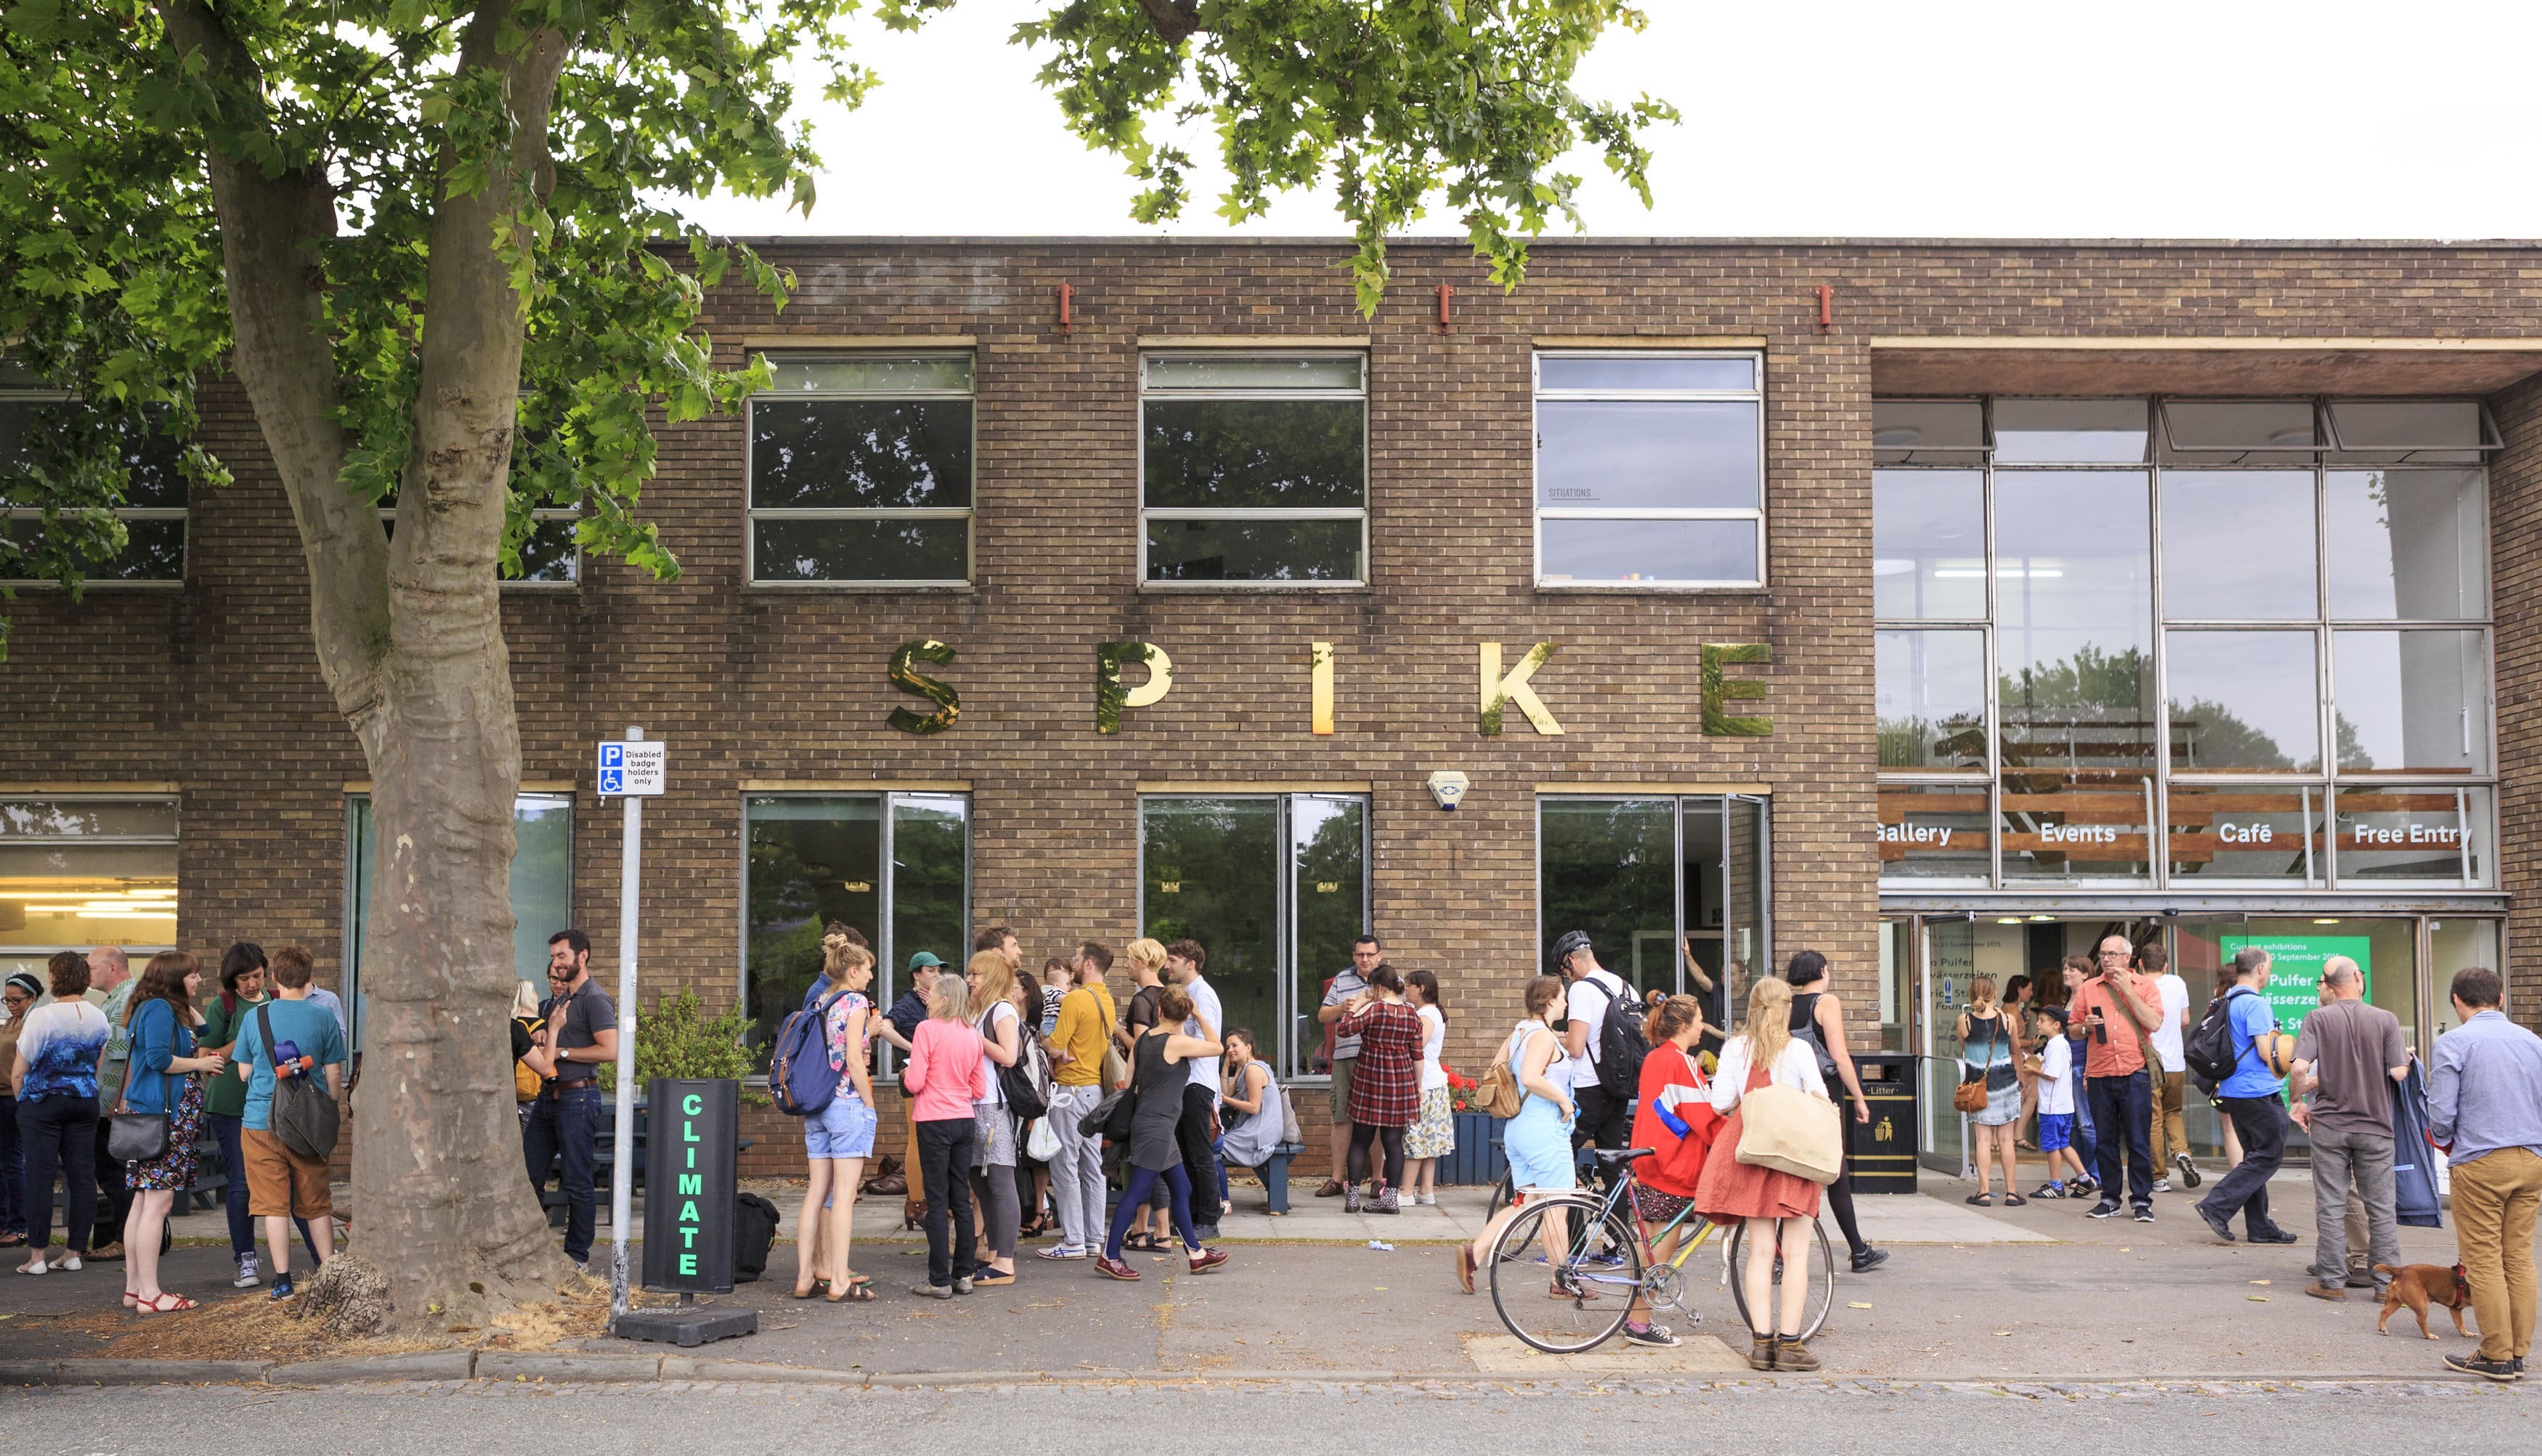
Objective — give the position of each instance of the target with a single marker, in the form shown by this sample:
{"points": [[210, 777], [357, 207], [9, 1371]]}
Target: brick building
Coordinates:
{"points": [[2047, 590]]}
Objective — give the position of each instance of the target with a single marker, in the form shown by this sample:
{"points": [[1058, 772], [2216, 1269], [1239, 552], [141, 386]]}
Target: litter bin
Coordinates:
{"points": [[1883, 1150]]}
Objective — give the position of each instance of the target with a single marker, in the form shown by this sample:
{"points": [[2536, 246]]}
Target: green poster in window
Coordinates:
{"points": [[2295, 969]]}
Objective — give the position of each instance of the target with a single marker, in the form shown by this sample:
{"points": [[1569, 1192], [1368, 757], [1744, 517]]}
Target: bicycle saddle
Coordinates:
{"points": [[1619, 1156]]}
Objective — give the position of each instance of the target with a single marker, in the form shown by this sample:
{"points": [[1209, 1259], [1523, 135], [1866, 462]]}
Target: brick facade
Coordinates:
{"points": [[214, 686]]}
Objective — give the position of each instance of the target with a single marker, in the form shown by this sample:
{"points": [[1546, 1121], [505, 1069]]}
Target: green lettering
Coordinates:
{"points": [[693, 1104], [689, 1211], [689, 1133], [688, 1238], [692, 1157], [692, 1184], [689, 1264]]}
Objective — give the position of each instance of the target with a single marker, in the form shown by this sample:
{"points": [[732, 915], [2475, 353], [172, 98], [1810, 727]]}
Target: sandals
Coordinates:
{"points": [[1982, 1200], [1145, 1243], [1465, 1267], [165, 1304], [807, 1293], [854, 1291], [2014, 1200]]}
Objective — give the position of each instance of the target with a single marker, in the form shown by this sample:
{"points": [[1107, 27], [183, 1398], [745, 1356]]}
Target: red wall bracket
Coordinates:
{"points": [[1445, 292], [1067, 298], [1827, 308]]}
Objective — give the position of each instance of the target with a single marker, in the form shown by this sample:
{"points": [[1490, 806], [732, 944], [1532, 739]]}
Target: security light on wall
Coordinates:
{"points": [[1448, 786]]}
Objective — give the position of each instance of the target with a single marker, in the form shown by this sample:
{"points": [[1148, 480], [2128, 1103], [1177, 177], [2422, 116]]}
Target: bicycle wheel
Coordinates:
{"points": [[1571, 1303], [1500, 1196], [1820, 1297]]}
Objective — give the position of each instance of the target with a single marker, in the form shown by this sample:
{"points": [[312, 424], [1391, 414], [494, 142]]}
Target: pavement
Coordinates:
{"points": [[2040, 1293]]}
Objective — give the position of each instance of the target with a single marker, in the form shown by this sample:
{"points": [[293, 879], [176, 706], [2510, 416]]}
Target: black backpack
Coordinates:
{"points": [[303, 1114], [1620, 1046], [2207, 1050], [754, 1232]]}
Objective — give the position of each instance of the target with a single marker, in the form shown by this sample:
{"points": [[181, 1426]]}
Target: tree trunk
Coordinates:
{"points": [[410, 635]]}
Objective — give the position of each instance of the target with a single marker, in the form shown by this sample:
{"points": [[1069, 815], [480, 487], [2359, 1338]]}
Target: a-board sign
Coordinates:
{"points": [[690, 1135]]}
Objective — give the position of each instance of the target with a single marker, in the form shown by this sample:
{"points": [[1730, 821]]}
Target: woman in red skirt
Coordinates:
{"points": [[1386, 1085], [1777, 1205]]}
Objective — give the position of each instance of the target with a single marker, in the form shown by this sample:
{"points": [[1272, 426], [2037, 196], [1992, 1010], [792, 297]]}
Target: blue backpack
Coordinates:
{"points": [[800, 1079]]}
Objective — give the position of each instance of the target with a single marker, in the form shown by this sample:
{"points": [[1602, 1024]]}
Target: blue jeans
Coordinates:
{"points": [[567, 1122], [2122, 1126], [234, 1191]]}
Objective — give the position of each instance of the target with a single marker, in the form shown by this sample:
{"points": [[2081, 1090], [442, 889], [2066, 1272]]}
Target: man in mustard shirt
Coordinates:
{"points": [[1085, 1017]]}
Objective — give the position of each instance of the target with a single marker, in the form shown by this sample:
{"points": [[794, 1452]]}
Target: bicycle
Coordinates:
{"points": [[1581, 1301]]}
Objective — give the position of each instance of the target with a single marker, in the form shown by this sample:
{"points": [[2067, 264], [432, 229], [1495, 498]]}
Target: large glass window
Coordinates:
{"points": [[1650, 469], [2316, 618], [542, 886], [1672, 891], [1275, 889], [860, 470], [895, 866], [78, 872], [1253, 469], [549, 554], [152, 515]]}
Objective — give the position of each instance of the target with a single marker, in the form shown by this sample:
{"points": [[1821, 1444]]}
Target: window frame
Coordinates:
{"points": [[1269, 351], [539, 515], [1682, 804], [884, 988], [14, 395], [1541, 513], [2328, 781], [751, 514], [1285, 1057]]}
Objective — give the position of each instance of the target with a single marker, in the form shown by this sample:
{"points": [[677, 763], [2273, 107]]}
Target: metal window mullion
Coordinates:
{"points": [[2158, 834], [1988, 568], [851, 513], [1283, 912], [1651, 513], [883, 917], [1254, 513], [1676, 860]]}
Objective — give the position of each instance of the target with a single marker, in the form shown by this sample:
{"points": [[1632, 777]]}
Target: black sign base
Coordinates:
{"points": [[685, 1327]]}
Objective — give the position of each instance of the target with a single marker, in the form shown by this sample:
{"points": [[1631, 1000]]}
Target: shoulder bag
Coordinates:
{"points": [[1500, 1095], [1791, 1132], [140, 1137], [1970, 1096], [303, 1112]]}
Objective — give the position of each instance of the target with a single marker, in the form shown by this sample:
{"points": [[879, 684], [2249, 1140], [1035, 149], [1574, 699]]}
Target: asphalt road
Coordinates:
{"points": [[1445, 1415]]}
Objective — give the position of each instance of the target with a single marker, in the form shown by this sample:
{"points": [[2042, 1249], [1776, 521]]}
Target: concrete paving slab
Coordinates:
{"points": [[1696, 1354]]}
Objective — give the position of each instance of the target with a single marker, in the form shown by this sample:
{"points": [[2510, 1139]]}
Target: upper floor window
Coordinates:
{"points": [[550, 555], [1253, 469], [151, 514], [1650, 469], [860, 470]]}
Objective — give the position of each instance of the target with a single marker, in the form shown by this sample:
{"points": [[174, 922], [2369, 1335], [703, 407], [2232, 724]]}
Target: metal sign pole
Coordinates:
{"points": [[621, 1176]]}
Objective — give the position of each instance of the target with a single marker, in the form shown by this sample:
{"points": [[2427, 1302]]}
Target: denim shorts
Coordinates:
{"points": [[844, 1130], [2056, 1131]]}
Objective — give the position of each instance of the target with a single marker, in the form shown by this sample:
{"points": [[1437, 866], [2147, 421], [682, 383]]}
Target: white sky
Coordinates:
{"points": [[2228, 118]]}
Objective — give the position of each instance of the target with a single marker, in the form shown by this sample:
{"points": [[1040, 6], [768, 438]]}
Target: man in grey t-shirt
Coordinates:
{"points": [[1365, 953], [2348, 1054]]}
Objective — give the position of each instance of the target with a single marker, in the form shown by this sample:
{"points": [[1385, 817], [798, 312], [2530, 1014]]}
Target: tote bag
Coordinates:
{"points": [[1791, 1132]]}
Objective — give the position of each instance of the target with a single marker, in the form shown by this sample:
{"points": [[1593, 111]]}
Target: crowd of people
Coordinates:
{"points": [[110, 1083]]}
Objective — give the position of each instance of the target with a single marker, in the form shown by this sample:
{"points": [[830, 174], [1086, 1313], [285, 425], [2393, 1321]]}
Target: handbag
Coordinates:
{"points": [[140, 1137], [1499, 1094], [1041, 1144], [1288, 1129], [1791, 1132], [1970, 1096]]}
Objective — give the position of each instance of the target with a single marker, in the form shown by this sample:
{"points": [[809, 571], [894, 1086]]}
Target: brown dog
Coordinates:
{"points": [[2418, 1285]]}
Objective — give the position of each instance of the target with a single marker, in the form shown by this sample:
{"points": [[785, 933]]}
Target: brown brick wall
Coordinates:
{"points": [[2516, 556], [215, 686]]}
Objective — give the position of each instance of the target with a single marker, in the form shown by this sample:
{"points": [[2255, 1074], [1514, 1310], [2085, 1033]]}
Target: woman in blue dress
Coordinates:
{"points": [[1539, 1139]]}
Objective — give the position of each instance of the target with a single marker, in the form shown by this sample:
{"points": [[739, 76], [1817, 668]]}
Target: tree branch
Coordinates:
{"points": [[272, 229]]}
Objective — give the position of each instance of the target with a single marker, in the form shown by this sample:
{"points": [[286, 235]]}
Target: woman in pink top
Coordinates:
{"points": [[944, 1077]]}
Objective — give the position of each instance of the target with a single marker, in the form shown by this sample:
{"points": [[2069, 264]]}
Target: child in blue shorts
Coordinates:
{"points": [[2056, 1081]]}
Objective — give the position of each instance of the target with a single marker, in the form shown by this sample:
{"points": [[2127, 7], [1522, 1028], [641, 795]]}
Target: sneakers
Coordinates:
{"points": [[2502, 1371], [2083, 1187], [1207, 1259], [962, 1285], [1059, 1252], [2144, 1215], [2274, 1235], [2335, 1293], [1869, 1258], [282, 1288], [1350, 1198], [2049, 1191], [1426, 1200], [2224, 1230], [1386, 1203], [68, 1264], [2102, 1210], [1207, 1233], [1114, 1267], [2162, 1184], [2188, 1170], [932, 1291], [248, 1269], [1656, 1336]]}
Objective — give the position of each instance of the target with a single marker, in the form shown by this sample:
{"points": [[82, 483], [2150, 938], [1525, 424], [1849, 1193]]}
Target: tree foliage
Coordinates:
{"points": [[365, 119]]}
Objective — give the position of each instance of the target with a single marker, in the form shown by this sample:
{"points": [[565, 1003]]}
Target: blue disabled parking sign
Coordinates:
{"points": [[634, 769]]}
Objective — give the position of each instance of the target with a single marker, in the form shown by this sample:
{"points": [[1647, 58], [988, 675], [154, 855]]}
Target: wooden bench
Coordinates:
{"points": [[1274, 1174]]}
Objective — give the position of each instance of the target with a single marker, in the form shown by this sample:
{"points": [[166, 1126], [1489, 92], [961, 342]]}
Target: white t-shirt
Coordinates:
{"points": [[1797, 1068], [1204, 999], [2175, 1014], [987, 1026], [2057, 1076], [1434, 1039], [1586, 1002]]}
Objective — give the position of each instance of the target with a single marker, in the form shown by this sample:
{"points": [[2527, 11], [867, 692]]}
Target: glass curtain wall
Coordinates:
{"points": [[1275, 889], [2183, 644]]}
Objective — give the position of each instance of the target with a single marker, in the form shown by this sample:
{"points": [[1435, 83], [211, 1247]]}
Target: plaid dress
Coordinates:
{"points": [[1385, 1086]]}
